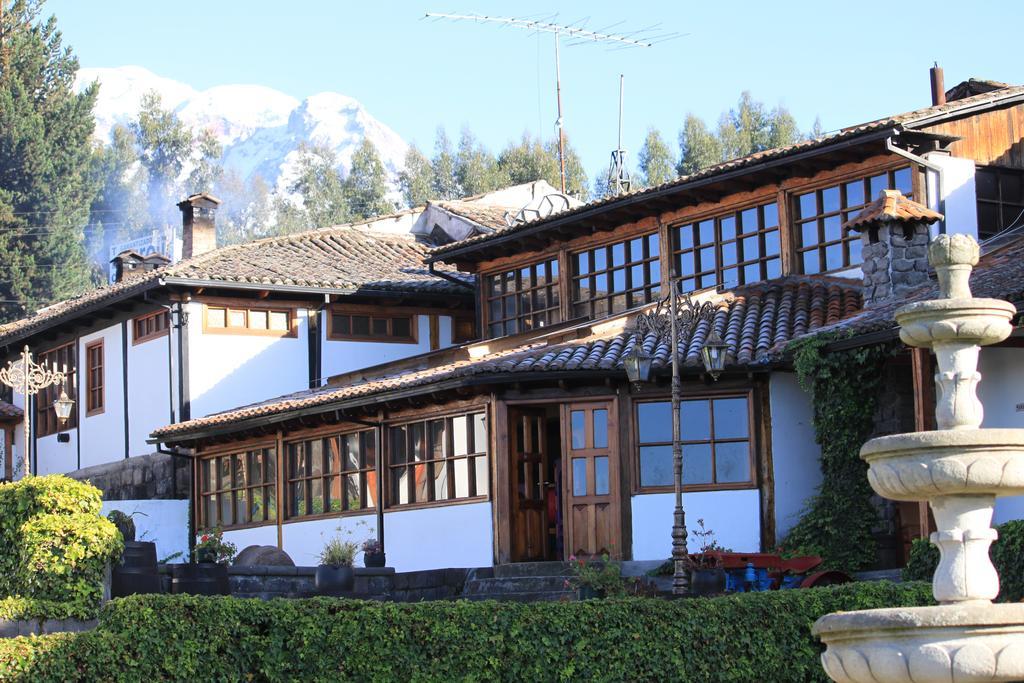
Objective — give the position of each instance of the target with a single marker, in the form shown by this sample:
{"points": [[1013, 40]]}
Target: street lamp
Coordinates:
{"points": [[28, 378], [683, 314]]}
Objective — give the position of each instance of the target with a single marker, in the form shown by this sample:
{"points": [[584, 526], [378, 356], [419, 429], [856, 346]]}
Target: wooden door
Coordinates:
{"points": [[591, 480], [529, 455]]}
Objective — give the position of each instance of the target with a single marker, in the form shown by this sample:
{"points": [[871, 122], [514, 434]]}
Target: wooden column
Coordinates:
{"points": [[923, 369], [765, 464], [279, 489]]}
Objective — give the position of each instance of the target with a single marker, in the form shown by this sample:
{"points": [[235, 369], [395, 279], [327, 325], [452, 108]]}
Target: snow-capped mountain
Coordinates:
{"points": [[260, 128]]}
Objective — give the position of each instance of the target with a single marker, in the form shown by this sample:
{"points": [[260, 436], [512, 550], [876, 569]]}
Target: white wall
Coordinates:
{"points": [[149, 389], [232, 370], [164, 522], [346, 356], [303, 541], [795, 455], [257, 535], [961, 207], [1001, 390], [102, 434], [734, 516]]}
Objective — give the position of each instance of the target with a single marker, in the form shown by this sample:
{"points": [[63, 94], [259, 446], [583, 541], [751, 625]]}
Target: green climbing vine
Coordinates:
{"points": [[844, 388]]}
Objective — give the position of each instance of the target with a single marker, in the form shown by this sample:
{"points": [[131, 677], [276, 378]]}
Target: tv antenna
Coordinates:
{"points": [[617, 172], [579, 35]]}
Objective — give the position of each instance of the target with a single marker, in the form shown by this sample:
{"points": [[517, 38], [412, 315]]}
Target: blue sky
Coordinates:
{"points": [[845, 62]]}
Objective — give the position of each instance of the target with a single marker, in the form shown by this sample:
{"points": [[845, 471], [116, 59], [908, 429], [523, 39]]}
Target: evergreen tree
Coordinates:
{"points": [[165, 146], [602, 184], [365, 188], [119, 211], [698, 147], [417, 178], [783, 129], [476, 169], [526, 161], [817, 130], [446, 185], [206, 169], [246, 212], [46, 178], [576, 182], [656, 163], [321, 192]]}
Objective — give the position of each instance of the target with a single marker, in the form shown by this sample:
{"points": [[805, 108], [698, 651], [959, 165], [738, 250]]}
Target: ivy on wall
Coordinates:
{"points": [[844, 387]]}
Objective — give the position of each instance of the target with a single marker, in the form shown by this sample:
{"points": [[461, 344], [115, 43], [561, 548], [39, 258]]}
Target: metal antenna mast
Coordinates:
{"points": [[643, 38], [617, 172]]}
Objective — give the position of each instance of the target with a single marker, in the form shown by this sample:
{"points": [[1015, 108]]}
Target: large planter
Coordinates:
{"points": [[202, 578], [707, 581], [588, 593], [137, 572], [374, 559], [334, 580]]}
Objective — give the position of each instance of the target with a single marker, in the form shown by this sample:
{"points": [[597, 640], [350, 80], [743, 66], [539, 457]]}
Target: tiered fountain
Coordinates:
{"points": [[959, 469]]}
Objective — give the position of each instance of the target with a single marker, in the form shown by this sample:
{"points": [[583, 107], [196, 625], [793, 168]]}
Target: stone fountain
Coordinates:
{"points": [[959, 469]]}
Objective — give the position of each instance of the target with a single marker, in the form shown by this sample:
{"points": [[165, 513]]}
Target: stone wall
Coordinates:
{"points": [[893, 261], [157, 476]]}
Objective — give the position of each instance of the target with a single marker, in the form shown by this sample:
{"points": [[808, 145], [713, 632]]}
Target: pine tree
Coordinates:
{"points": [[656, 163], [698, 147], [46, 178], [476, 169], [417, 178], [446, 185], [365, 189]]}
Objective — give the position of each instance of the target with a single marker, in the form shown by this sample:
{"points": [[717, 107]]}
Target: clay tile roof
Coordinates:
{"points": [[347, 257], [9, 411], [488, 216], [909, 120], [891, 205], [756, 322]]}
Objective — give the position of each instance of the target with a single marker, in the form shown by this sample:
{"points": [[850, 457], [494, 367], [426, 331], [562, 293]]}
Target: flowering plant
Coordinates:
{"points": [[371, 546], [604, 575], [708, 556], [211, 547]]}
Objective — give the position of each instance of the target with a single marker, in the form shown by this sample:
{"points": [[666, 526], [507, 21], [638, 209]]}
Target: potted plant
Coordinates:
{"points": [[707, 576], [335, 573], [595, 578], [137, 571], [208, 575], [373, 553]]}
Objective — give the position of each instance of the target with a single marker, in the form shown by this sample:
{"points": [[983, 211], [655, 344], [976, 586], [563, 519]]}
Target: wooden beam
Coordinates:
{"points": [[924, 416]]}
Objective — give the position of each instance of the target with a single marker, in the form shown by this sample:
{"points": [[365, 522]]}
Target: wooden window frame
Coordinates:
{"points": [[267, 489], [148, 322], [247, 330], [46, 422], [844, 213], [429, 462], [94, 385], [716, 270], [464, 320], [367, 487], [999, 202], [537, 317], [649, 289], [374, 313], [751, 439]]}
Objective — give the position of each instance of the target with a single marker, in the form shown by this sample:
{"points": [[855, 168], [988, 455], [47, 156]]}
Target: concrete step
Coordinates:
{"points": [[522, 584], [518, 569]]}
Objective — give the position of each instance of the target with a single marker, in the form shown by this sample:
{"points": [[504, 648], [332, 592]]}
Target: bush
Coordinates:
{"points": [[54, 544], [747, 637], [1007, 555], [32, 609]]}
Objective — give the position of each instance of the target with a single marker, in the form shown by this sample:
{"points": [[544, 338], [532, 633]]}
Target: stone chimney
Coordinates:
{"points": [[894, 233], [199, 229], [130, 263]]}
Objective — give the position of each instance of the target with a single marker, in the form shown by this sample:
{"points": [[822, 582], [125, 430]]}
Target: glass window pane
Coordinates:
{"points": [[440, 480], [707, 231], [730, 277], [401, 327], [877, 184], [421, 483], [903, 181], [241, 507], [809, 233], [654, 422], [811, 265], [460, 435], [216, 317], [297, 499], [225, 473], [351, 460], [582, 263], [728, 227], [806, 206], [600, 428], [652, 245], [257, 506], [483, 476], [238, 470], [830, 200], [255, 467], [833, 228], [400, 485], [368, 442], [316, 457], [731, 418], [695, 420], [834, 257], [729, 254], [732, 462], [656, 466], [437, 439], [855, 245], [771, 243], [236, 318], [279, 321], [618, 254], [258, 320], [579, 476], [601, 478], [774, 268], [855, 193], [684, 237], [380, 327], [316, 496], [479, 432], [697, 464], [271, 504], [398, 453], [361, 325], [462, 478], [751, 248], [579, 436], [416, 442], [353, 492], [752, 272], [771, 215], [599, 258], [341, 324], [748, 221]]}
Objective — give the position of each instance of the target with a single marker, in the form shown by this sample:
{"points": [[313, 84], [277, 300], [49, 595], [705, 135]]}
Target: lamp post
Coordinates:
{"points": [[683, 314], [28, 378]]}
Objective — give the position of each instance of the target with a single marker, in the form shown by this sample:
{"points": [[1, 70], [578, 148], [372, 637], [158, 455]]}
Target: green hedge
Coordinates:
{"points": [[751, 637], [1007, 555], [54, 544]]}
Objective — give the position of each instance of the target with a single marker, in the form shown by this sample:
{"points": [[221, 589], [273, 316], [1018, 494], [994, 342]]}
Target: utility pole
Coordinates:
{"points": [[579, 36]]}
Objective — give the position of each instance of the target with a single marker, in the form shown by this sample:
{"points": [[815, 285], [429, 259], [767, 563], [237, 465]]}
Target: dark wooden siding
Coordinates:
{"points": [[995, 137]]}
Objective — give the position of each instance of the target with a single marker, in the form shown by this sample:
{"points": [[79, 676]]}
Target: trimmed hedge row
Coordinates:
{"points": [[749, 637], [15, 608], [1007, 555], [54, 544]]}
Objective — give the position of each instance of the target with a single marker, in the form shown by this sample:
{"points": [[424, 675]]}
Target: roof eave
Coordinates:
{"points": [[301, 289]]}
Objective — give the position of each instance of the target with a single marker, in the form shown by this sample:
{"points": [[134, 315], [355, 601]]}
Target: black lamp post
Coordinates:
{"points": [[683, 313]]}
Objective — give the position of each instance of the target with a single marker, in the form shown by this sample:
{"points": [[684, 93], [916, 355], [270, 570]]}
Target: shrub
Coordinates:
{"points": [[747, 637], [1007, 555], [54, 544], [124, 523]]}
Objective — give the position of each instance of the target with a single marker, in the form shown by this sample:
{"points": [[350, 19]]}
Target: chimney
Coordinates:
{"points": [[938, 86], [198, 225], [894, 233], [131, 263]]}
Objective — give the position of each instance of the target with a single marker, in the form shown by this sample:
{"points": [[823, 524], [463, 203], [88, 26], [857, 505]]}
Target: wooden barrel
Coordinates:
{"points": [[137, 572], [203, 578]]}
